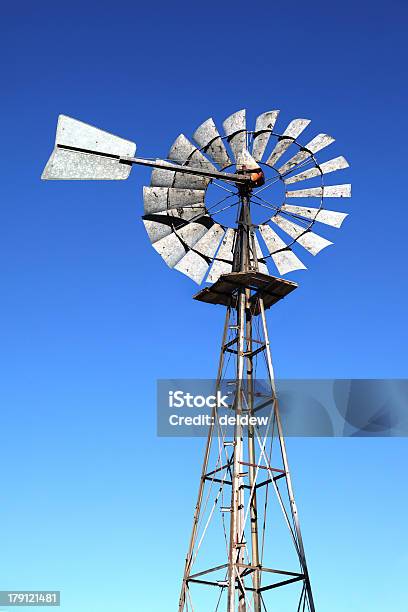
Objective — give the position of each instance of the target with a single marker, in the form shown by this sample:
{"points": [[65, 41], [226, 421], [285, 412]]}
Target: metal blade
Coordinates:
{"points": [[157, 199], [195, 265], [285, 260], [235, 129], [173, 247], [73, 165], [309, 240], [329, 217], [338, 163], [318, 143], [184, 152], [167, 178], [262, 267], [329, 191], [294, 129], [162, 224], [226, 253], [155, 230], [209, 139], [210, 242], [245, 161], [266, 121]]}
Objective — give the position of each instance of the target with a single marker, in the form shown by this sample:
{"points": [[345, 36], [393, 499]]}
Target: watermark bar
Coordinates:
{"points": [[308, 407], [30, 598]]}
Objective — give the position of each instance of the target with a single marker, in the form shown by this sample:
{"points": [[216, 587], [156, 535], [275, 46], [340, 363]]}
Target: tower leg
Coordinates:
{"points": [[236, 551], [197, 511], [251, 469], [302, 556]]}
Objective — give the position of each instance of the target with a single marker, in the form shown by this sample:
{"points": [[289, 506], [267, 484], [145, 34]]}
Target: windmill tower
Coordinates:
{"points": [[225, 240]]}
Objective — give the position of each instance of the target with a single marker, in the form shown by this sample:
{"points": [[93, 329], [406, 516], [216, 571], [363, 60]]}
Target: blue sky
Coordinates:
{"points": [[93, 503]]}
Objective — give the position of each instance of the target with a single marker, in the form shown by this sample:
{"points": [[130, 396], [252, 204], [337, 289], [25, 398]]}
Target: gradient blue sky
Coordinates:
{"points": [[92, 502]]}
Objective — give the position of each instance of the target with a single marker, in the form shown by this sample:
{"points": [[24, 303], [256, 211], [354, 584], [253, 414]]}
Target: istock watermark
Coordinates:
{"points": [[219, 402], [181, 399], [307, 407], [189, 407]]}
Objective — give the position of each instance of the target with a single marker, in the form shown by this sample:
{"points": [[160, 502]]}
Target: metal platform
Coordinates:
{"points": [[224, 291]]}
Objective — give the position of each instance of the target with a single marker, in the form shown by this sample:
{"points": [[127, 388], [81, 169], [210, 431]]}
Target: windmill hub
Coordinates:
{"points": [[250, 169], [257, 178], [254, 179]]}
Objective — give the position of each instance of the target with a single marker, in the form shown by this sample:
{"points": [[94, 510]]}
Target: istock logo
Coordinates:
{"points": [[180, 399]]}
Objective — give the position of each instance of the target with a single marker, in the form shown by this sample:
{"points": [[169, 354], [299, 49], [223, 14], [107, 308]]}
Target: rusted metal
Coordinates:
{"points": [[224, 291], [262, 467]]}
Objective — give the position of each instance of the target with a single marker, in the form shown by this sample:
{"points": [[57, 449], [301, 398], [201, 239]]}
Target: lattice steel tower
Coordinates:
{"points": [[245, 476]]}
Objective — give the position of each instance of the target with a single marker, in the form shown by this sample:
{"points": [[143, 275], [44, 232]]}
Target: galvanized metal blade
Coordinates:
{"points": [[156, 230], [245, 161], [209, 140], [266, 121], [158, 199], [328, 217], [284, 258], [338, 163], [209, 243], [184, 152], [65, 164], [162, 224], [225, 253], [294, 129], [235, 129], [318, 143], [308, 239], [173, 247], [262, 267], [168, 178], [196, 262], [329, 191]]}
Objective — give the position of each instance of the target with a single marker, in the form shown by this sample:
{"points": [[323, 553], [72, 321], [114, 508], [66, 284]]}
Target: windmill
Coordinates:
{"points": [[229, 241]]}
